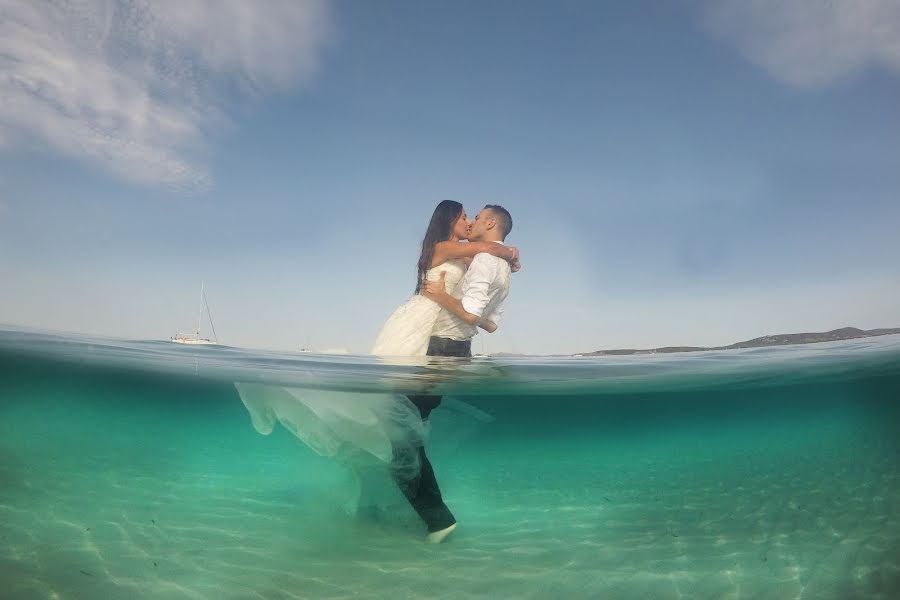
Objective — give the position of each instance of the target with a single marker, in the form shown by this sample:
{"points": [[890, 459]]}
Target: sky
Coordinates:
{"points": [[679, 173]]}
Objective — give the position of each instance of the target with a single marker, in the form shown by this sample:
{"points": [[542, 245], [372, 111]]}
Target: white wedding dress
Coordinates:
{"points": [[408, 329], [366, 429]]}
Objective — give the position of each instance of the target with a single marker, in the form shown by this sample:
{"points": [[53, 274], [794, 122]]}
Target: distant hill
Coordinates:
{"points": [[782, 339]]}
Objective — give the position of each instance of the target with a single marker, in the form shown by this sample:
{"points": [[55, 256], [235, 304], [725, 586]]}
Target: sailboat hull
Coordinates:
{"points": [[193, 342]]}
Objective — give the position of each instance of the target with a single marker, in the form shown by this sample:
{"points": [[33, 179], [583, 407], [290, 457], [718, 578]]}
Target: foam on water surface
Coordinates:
{"points": [[131, 469]]}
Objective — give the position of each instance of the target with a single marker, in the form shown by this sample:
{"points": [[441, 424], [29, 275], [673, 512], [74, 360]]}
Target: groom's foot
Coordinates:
{"points": [[436, 537]]}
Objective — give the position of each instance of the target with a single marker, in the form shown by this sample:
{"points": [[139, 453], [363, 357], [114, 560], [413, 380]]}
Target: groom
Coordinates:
{"points": [[478, 298]]}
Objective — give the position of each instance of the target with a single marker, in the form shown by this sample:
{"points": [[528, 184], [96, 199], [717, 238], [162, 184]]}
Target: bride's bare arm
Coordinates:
{"points": [[444, 251]]}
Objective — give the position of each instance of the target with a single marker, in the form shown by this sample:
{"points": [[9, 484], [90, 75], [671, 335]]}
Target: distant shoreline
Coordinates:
{"points": [[781, 339]]}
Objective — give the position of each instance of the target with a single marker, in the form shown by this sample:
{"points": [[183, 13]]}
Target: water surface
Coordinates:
{"points": [[130, 469]]}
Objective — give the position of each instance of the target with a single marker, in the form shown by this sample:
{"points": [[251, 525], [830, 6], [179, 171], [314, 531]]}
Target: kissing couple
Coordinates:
{"points": [[462, 282]]}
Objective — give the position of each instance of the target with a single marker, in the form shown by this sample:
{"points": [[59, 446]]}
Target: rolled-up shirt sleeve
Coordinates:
{"points": [[476, 284], [495, 316]]}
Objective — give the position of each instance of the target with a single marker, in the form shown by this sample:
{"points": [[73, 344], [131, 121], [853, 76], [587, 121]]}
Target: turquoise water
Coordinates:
{"points": [[130, 469]]}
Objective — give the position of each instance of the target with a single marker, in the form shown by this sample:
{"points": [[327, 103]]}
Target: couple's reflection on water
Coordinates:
{"points": [[380, 437]]}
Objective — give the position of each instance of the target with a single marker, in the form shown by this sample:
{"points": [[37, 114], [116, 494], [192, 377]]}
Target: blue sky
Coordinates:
{"points": [[678, 173]]}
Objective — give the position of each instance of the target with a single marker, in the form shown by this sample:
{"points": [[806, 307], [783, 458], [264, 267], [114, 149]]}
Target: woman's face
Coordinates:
{"points": [[461, 227]]}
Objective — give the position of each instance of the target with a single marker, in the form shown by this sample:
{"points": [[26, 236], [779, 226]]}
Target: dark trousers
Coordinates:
{"points": [[423, 491]]}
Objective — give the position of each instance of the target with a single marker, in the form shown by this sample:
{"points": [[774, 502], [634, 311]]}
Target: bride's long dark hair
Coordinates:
{"points": [[439, 230]]}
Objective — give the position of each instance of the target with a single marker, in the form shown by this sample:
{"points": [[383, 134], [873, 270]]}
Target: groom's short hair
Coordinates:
{"points": [[504, 219]]}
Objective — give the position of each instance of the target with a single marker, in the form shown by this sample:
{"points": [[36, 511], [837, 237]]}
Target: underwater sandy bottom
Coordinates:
{"points": [[145, 509]]}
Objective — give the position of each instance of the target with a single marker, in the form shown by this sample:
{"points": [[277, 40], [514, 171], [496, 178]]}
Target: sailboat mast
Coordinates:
{"points": [[209, 316], [200, 318]]}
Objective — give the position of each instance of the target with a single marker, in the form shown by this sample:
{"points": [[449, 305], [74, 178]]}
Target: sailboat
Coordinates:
{"points": [[194, 338]]}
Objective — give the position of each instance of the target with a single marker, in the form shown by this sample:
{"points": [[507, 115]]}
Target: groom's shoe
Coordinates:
{"points": [[436, 537]]}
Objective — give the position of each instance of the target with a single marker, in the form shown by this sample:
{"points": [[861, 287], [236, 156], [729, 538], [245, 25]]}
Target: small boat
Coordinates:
{"points": [[194, 338]]}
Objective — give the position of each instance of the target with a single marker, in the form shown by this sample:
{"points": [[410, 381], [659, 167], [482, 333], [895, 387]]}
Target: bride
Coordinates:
{"points": [[381, 429]]}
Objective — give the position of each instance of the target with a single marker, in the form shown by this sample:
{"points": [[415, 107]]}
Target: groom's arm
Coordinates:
{"points": [[475, 298], [455, 306], [452, 305]]}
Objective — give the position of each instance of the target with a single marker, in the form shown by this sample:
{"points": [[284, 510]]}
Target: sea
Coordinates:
{"points": [[131, 469]]}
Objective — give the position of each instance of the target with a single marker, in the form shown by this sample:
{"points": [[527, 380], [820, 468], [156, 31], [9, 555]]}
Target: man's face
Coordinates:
{"points": [[461, 227], [478, 228]]}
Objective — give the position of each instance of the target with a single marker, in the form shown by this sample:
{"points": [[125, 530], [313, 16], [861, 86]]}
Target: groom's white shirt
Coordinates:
{"points": [[483, 291]]}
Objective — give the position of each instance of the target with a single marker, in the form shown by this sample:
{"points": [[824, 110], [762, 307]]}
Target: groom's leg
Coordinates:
{"points": [[423, 491], [424, 496]]}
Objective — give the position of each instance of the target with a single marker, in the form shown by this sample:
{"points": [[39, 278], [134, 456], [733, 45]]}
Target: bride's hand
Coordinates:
{"points": [[509, 253], [513, 259]]}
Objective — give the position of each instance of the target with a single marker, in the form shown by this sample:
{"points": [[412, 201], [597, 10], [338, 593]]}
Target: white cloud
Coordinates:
{"points": [[810, 44], [137, 85]]}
